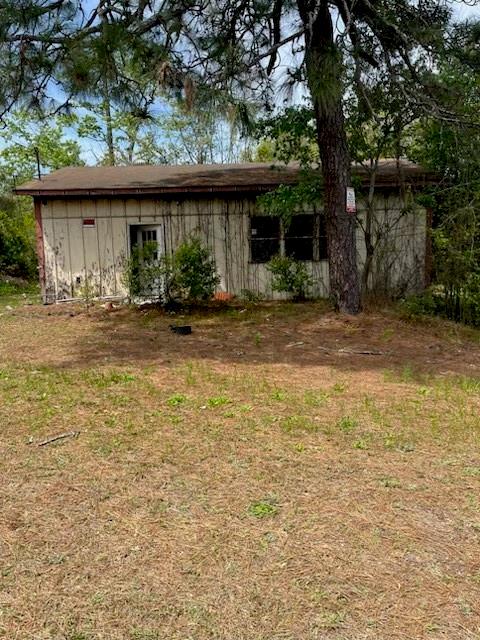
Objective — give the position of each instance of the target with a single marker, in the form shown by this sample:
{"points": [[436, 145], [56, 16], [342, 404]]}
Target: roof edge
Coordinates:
{"points": [[417, 180]]}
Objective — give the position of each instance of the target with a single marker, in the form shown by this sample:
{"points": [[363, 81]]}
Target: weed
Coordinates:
{"points": [[293, 423], [331, 620], [217, 401], [390, 483], [315, 398], [361, 444], [263, 508], [258, 339], [189, 375], [102, 379], [424, 391], [387, 334], [347, 424], [144, 634], [176, 400], [468, 384], [98, 598], [473, 472], [406, 447]]}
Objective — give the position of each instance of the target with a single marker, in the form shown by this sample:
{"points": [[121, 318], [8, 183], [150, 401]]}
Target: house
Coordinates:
{"points": [[89, 218]]}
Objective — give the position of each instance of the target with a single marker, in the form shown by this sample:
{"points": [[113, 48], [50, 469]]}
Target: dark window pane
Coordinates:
{"points": [[263, 250], [264, 227], [301, 225], [264, 238], [322, 248], [322, 240], [299, 238], [299, 248]]}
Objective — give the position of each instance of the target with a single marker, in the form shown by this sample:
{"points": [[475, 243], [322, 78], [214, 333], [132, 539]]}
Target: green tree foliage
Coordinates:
{"points": [[332, 47], [451, 149], [17, 240], [25, 142], [171, 133]]}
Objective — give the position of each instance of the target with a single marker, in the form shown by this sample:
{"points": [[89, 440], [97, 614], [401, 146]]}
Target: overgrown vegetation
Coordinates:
{"points": [[187, 276], [17, 239], [290, 276]]}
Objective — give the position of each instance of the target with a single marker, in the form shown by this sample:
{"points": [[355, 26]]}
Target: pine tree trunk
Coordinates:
{"points": [[107, 115], [324, 77]]}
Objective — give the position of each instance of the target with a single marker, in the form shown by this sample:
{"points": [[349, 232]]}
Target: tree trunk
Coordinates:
{"points": [[324, 77], [368, 231], [107, 114]]}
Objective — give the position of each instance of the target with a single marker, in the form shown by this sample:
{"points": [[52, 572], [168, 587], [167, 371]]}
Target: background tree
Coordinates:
{"points": [[451, 149], [29, 145]]}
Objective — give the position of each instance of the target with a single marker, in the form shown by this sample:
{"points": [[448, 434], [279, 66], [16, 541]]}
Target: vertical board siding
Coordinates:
{"points": [[50, 261], [92, 284], [79, 258]]}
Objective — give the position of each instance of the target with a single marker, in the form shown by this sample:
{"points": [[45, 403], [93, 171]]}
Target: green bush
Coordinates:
{"points": [[289, 276], [189, 275], [17, 240], [195, 275], [418, 306]]}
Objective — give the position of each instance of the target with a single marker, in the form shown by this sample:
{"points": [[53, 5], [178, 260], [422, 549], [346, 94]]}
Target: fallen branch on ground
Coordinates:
{"points": [[355, 352], [61, 436]]}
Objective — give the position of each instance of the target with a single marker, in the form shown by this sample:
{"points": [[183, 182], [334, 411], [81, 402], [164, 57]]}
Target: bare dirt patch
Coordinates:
{"points": [[281, 473]]}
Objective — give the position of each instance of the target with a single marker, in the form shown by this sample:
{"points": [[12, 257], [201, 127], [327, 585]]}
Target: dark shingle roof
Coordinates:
{"points": [[221, 178]]}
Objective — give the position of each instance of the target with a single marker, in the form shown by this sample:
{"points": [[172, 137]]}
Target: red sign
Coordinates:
{"points": [[89, 222]]}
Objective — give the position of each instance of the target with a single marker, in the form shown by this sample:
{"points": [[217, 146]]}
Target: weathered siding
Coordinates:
{"points": [[83, 261]]}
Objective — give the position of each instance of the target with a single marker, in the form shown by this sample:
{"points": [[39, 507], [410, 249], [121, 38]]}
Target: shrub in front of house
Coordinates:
{"points": [[290, 276], [195, 275], [189, 275]]}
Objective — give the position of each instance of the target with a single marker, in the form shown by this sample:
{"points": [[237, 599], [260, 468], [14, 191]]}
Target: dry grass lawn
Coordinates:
{"points": [[282, 473]]}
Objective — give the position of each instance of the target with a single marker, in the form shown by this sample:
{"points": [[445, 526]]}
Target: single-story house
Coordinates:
{"points": [[89, 218]]}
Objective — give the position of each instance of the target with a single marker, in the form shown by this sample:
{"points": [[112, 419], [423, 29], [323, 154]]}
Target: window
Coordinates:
{"points": [[299, 238], [305, 239], [149, 238], [264, 238], [322, 238]]}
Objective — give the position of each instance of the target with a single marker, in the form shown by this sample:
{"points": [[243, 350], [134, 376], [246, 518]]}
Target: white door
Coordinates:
{"points": [[148, 240]]}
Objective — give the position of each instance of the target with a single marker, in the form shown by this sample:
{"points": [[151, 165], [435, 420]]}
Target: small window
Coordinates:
{"points": [[149, 238], [299, 238], [264, 238]]}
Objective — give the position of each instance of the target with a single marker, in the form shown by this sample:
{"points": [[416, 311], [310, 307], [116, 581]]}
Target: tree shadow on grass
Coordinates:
{"points": [[306, 335]]}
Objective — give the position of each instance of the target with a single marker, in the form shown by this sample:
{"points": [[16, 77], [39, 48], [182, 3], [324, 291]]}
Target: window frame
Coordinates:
{"points": [[276, 238], [319, 238]]}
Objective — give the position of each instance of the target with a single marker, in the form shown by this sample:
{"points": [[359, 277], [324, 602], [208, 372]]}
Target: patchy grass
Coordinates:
{"points": [[233, 488], [16, 293]]}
